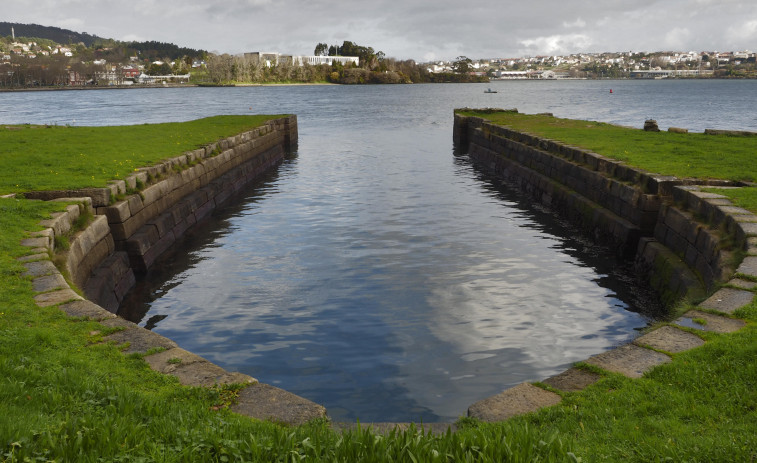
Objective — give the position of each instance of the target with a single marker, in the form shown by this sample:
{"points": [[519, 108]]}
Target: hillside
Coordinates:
{"points": [[56, 34]]}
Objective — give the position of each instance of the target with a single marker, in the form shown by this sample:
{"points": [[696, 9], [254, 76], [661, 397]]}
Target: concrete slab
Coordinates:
{"points": [[49, 282], [56, 297], [714, 323], [748, 266], [88, 309], [669, 339], [519, 400], [266, 402], [727, 300], [629, 360], [574, 379], [40, 268], [743, 284], [140, 340]]}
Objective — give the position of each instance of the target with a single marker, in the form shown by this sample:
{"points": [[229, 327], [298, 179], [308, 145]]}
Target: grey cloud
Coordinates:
{"points": [[412, 28]]}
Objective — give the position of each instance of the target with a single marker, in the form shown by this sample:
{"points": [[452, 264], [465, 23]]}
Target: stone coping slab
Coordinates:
{"points": [[743, 284], [727, 300], [629, 360], [714, 323], [40, 268], [572, 380], [86, 309], [519, 400], [748, 266], [266, 402], [193, 370], [669, 339], [56, 297], [49, 282], [139, 339]]}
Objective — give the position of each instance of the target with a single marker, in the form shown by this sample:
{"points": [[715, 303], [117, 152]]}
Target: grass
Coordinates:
{"points": [[35, 158], [745, 197], [67, 396], [690, 155]]}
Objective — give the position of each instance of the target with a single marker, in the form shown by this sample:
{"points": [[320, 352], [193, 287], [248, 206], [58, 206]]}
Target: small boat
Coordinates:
{"points": [[488, 90]]}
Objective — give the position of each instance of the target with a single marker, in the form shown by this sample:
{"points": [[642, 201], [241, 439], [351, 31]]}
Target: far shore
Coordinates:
{"points": [[129, 87]]}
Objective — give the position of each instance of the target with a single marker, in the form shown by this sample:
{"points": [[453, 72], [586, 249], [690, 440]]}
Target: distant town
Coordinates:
{"points": [[643, 65], [44, 62]]}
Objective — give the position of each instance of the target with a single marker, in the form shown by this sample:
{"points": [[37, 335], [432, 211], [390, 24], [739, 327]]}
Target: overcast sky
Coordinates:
{"points": [[423, 30]]}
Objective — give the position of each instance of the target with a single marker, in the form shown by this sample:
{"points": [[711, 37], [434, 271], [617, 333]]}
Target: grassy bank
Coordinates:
{"points": [[34, 157], [66, 396], [685, 155]]}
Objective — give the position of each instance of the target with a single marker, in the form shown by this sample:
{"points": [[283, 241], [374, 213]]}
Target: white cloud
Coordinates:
{"points": [[556, 44], [743, 33], [677, 39], [579, 23]]}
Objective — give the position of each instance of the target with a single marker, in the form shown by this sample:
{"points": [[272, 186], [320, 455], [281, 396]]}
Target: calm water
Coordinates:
{"points": [[377, 273]]}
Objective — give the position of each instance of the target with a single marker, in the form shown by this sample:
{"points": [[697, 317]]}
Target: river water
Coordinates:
{"points": [[375, 271]]}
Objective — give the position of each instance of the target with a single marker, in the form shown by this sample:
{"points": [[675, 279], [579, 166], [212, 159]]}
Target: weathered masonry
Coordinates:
{"points": [[128, 235], [673, 230]]}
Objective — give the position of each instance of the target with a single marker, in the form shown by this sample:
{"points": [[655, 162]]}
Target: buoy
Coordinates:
{"points": [[610, 90]]}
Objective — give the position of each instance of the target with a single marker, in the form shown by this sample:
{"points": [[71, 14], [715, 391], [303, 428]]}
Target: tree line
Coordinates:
{"points": [[373, 68]]}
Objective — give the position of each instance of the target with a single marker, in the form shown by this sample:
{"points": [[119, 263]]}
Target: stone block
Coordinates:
{"points": [[139, 339], [193, 370], [519, 400], [152, 194], [142, 241], [120, 187], [38, 242], [135, 204], [572, 380], [629, 360], [743, 284], [158, 248], [56, 297], [118, 212], [708, 322], [265, 402], [40, 268], [87, 309], [669, 339], [727, 300], [748, 266], [49, 282], [163, 223]]}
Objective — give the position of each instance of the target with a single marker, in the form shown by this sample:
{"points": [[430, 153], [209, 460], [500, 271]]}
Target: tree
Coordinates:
{"points": [[462, 65], [321, 50]]}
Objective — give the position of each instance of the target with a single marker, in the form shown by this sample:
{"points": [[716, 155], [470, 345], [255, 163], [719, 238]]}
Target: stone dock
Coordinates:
{"points": [[670, 227]]}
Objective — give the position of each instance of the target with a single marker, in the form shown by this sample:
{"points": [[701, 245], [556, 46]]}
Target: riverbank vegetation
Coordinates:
{"points": [[68, 396]]}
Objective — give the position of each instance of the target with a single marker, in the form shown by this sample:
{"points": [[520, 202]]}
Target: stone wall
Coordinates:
{"points": [[129, 233], [674, 232]]}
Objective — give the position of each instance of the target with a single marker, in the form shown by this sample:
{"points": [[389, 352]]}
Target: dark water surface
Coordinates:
{"points": [[377, 273]]}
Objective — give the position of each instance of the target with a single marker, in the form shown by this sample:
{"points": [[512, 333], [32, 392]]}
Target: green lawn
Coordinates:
{"points": [[691, 155], [35, 158], [66, 396]]}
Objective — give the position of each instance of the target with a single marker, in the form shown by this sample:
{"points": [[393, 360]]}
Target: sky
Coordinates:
{"points": [[422, 30]]}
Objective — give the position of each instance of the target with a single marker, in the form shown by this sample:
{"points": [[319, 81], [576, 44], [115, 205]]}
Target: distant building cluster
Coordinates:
{"points": [[273, 58], [624, 64]]}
